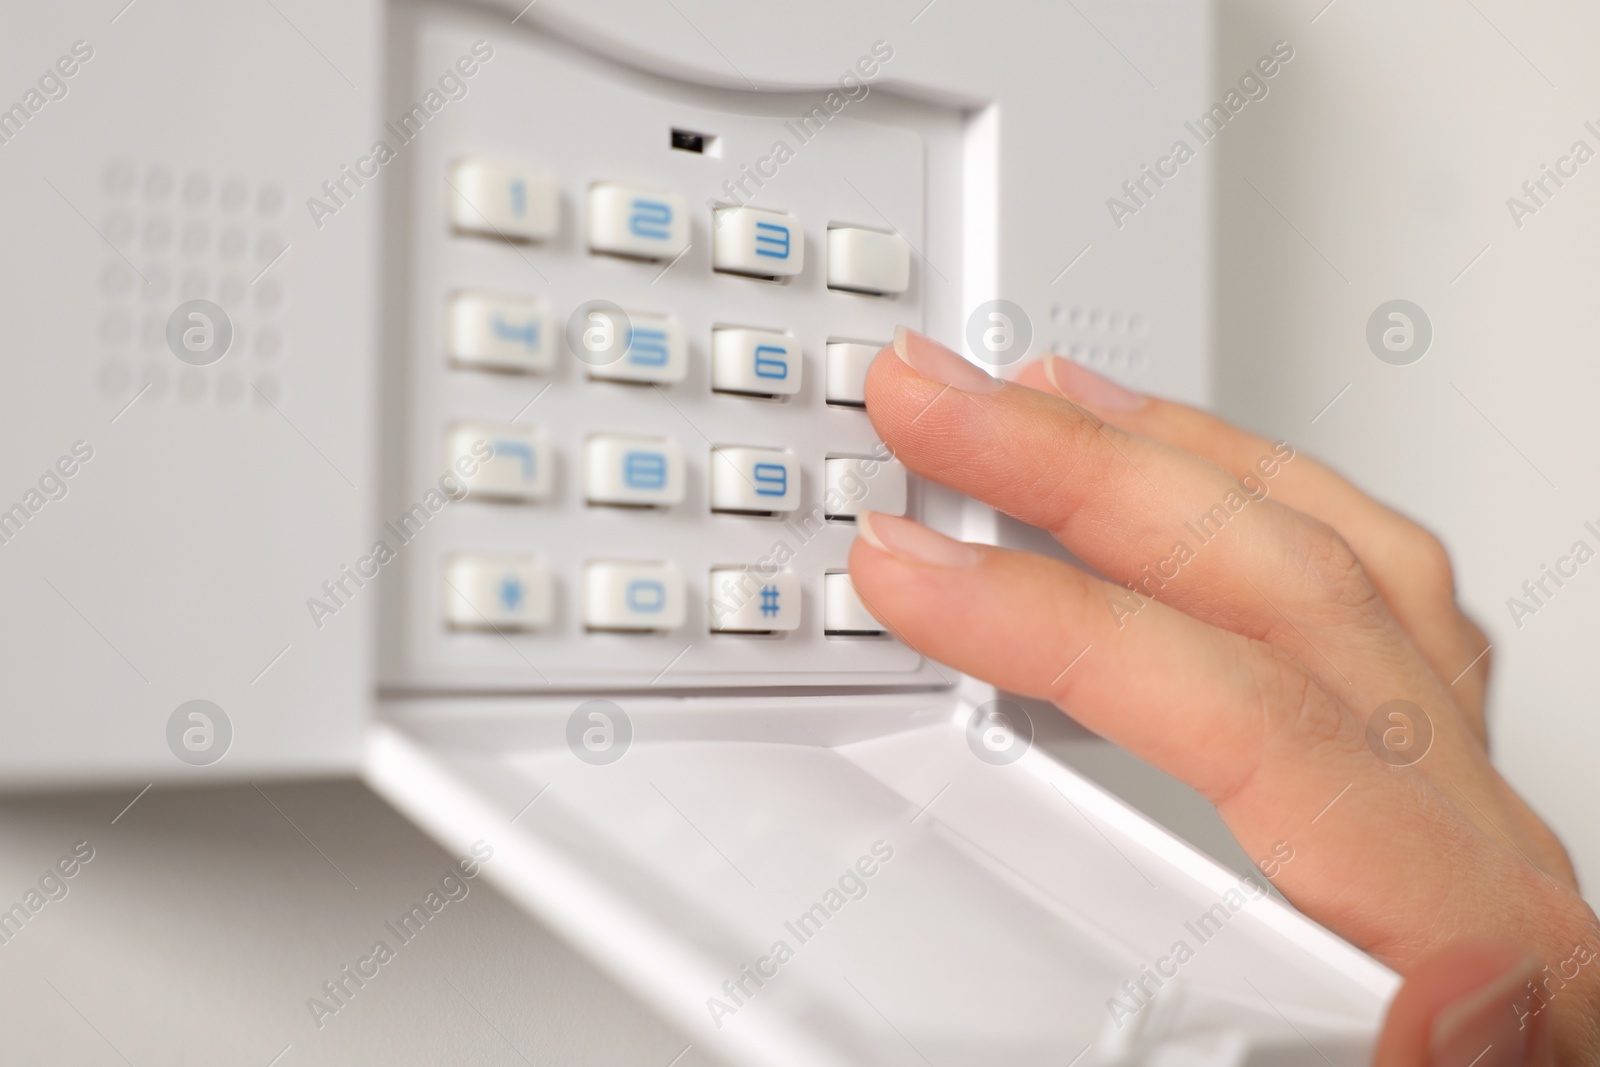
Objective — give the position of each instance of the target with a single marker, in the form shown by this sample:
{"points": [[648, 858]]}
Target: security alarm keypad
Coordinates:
{"points": [[638, 334]]}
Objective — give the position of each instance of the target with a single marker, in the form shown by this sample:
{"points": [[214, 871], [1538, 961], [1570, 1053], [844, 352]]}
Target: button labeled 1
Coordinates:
{"points": [[856, 485], [842, 609], [747, 240], [866, 261], [520, 463], [654, 349], [632, 596], [498, 333], [758, 362], [646, 223], [499, 200], [484, 592], [634, 470], [743, 601], [754, 480]]}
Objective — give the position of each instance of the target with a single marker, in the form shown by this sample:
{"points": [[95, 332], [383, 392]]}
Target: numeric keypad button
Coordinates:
{"points": [[757, 362], [759, 480], [857, 484], [644, 223], [842, 609], [493, 199], [490, 592], [765, 244], [633, 470], [500, 333], [653, 349], [501, 461], [632, 596], [745, 600]]}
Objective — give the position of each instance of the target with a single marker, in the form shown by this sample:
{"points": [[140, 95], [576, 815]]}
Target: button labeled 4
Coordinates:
{"points": [[500, 333]]}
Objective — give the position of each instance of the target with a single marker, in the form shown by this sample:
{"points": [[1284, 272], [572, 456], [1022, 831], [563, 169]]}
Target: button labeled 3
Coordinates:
{"points": [[520, 465], [633, 470], [646, 223], [632, 596], [747, 240]]}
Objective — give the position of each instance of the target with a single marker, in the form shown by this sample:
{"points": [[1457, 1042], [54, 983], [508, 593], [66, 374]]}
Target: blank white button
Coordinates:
{"points": [[632, 596], [866, 261], [754, 479], [653, 348], [842, 610], [747, 240], [634, 470], [754, 361], [847, 371], [745, 601], [648, 223], [857, 485], [501, 461], [498, 333], [499, 200], [485, 592]]}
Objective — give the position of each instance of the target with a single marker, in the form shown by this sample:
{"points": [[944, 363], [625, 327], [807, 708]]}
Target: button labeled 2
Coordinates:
{"points": [[754, 480], [499, 200], [520, 465], [766, 244], [632, 596], [634, 470], [500, 333], [758, 362], [646, 223]]}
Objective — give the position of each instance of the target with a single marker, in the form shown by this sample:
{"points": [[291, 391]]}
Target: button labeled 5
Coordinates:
{"points": [[754, 479], [654, 348], [500, 333], [747, 240], [519, 465], [499, 200], [634, 470], [647, 223], [759, 362], [632, 596]]}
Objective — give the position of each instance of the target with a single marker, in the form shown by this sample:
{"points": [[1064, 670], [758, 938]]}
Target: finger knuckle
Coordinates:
{"points": [[1332, 565]]}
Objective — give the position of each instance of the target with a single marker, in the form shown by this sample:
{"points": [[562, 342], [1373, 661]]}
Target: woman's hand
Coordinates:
{"points": [[1256, 612]]}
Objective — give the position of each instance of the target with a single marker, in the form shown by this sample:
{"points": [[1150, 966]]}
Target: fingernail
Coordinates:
{"points": [[933, 360], [1077, 382], [913, 542], [1483, 1028]]}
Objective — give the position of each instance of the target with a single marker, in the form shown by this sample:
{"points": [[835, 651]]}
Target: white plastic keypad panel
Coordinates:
{"points": [[652, 361]]}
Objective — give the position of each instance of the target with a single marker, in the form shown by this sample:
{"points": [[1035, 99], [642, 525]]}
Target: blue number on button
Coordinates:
{"points": [[528, 334], [768, 367], [517, 450], [772, 479], [648, 348], [644, 470], [646, 595], [772, 240], [651, 219], [519, 197]]}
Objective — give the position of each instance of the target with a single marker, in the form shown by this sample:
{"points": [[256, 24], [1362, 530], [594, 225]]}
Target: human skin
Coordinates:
{"points": [[1249, 669]]}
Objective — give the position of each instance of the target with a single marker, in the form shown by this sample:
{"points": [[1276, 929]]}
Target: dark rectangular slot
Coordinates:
{"points": [[687, 141]]}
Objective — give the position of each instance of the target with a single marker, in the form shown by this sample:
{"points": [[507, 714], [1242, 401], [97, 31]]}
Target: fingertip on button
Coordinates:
{"points": [[915, 543], [934, 361]]}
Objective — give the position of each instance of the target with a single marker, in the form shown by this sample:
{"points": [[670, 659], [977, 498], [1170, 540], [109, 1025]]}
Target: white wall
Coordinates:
{"points": [[1390, 146]]}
